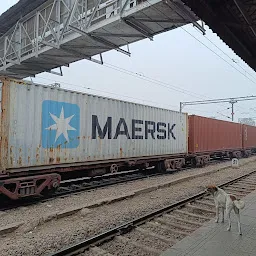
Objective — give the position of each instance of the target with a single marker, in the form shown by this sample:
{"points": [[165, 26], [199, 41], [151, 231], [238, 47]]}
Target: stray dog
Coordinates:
{"points": [[226, 201]]}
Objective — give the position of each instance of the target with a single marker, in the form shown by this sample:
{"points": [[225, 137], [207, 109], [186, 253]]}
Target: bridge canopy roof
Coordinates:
{"points": [[234, 21]]}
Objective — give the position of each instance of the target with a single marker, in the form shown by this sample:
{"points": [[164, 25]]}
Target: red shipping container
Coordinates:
{"points": [[211, 135], [249, 136]]}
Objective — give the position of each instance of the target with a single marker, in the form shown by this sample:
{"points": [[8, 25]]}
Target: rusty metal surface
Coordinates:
{"points": [[47, 126], [249, 136], [210, 135]]}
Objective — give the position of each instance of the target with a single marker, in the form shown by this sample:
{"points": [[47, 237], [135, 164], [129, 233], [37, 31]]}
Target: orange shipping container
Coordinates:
{"points": [[249, 137], [211, 135]]}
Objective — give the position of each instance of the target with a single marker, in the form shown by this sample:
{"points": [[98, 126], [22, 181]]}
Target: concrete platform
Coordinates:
{"points": [[213, 239]]}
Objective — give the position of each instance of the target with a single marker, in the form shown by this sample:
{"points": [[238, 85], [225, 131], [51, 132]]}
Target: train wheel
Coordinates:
{"points": [[114, 168]]}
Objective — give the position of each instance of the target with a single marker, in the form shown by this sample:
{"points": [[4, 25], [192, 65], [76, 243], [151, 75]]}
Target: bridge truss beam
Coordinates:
{"points": [[60, 32]]}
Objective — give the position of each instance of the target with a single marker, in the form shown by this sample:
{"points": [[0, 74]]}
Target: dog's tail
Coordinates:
{"points": [[239, 204]]}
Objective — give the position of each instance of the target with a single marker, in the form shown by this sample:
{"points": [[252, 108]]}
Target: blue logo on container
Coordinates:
{"points": [[60, 124]]}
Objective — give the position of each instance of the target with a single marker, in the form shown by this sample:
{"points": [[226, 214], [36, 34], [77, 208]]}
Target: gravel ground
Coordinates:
{"points": [[146, 240], [54, 235], [115, 247], [162, 232]]}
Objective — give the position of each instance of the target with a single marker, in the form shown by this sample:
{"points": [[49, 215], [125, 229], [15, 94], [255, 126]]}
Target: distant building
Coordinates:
{"points": [[248, 121]]}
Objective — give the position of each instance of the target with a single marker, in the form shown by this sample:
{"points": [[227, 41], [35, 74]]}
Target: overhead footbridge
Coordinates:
{"points": [[39, 36]]}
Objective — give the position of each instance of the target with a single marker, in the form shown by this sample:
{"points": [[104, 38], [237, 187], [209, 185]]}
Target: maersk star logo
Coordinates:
{"points": [[60, 124]]}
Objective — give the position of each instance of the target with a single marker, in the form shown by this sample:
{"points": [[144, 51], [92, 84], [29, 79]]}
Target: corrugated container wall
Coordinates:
{"points": [[210, 135], [43, 126], [249, 136]]}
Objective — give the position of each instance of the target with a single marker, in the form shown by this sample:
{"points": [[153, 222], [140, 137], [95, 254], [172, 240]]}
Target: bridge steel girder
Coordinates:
{"points": [[87, 27]]}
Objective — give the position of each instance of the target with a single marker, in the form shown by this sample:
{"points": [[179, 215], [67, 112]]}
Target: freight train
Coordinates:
{"points": [[48, 132]]}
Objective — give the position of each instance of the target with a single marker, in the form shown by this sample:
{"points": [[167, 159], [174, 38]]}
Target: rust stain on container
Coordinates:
{"points": [[37, 155], [121, 152], [11, 155], [58, 160], [20, 161], [51, 160]]}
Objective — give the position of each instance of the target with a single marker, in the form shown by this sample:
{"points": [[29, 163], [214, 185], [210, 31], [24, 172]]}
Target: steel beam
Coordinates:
{"points": [[93, 13], [178, 6], [100, 40], [117, 35], [181, 21], [124, 7], [13, 61], [247, 18], [114, 46], [50, 44], [144, 31], [89, 47], [44, 63], [80, 55]]}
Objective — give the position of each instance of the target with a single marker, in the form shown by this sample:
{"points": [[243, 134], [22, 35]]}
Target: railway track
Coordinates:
{"points": [[157, 231], [79, 185], [89, 183]]}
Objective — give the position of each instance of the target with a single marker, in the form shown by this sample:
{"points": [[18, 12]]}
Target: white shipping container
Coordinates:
{"points": [[42, 126]]}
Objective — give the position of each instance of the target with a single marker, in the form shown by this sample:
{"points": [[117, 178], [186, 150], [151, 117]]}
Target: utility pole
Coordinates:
{"points": [[232, 101]]}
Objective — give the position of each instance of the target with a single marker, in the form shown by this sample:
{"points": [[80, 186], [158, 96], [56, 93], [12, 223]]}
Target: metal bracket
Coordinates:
{"points": [[55, 73], [107, 43], [178, 6], [137, 27]]}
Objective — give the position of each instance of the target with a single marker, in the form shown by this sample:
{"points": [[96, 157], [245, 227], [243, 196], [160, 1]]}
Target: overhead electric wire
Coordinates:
{"points": [[218, 55], [232, 59]]}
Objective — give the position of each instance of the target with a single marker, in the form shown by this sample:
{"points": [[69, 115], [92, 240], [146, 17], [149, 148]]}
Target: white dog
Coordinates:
{"points": [[226, 201]]}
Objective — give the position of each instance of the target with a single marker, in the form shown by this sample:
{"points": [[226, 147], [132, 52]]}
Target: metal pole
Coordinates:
{"points": [[232, 102], [181, 105], [232, 114]]}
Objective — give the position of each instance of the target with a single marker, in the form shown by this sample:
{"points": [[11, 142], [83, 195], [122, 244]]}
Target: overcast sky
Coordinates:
{"points": [[175, 59]]}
